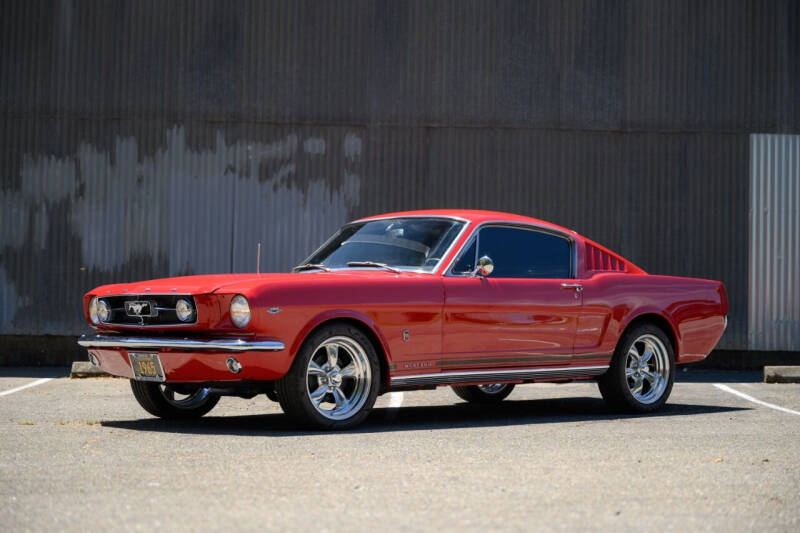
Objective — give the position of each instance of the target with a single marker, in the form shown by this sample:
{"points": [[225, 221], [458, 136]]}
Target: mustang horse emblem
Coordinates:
{"points": [[138, 308]]}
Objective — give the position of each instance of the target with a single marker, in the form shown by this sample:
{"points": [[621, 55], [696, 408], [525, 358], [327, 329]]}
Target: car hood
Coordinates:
{"points": [[184, 284], [207, 284]]}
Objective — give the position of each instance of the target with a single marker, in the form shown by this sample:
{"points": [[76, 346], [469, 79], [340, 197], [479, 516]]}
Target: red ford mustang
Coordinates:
{"points": [[476, 300]]}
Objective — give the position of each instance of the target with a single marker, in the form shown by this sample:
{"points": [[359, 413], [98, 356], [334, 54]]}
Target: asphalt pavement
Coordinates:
{"points": [[80, 454]]}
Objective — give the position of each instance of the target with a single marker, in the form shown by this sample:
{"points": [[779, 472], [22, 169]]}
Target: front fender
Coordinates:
{"points": [[338, 314]]}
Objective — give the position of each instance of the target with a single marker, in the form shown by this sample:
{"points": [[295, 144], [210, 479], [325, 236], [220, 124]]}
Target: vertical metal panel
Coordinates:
{"points": [[774, 282]]}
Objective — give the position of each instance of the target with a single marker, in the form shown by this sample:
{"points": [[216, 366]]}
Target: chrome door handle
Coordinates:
{"points": [[577, 286]]}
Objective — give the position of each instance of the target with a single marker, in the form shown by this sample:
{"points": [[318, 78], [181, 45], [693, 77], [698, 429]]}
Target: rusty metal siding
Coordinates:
{"points": [[199, 201], [774, 282], [156, 200], [146, 139]]}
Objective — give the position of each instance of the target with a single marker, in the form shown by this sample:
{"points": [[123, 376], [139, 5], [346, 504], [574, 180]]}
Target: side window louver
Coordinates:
{"points": [[598, 260]]}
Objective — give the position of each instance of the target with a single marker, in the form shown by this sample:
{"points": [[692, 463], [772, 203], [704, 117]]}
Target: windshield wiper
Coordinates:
{"points": [[372, 264], [309, 266]]}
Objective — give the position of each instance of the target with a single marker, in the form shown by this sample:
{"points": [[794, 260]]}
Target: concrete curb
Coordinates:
{"points": [[85, 369], [782, 374]]}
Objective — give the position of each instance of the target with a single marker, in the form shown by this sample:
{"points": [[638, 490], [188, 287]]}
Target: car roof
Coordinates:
{"points": [[475, 216]]}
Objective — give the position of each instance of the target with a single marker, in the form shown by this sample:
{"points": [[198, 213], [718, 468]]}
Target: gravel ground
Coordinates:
{"points": [[82, 455]]}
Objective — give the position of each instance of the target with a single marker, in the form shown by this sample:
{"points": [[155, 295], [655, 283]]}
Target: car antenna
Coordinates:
{"points": [[258, 259]]}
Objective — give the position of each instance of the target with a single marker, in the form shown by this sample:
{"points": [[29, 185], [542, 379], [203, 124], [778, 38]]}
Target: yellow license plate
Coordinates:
{"points": [[146, 366]]}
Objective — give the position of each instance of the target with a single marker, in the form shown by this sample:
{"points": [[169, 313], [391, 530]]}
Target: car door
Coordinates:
{"points": [[522, 314]]}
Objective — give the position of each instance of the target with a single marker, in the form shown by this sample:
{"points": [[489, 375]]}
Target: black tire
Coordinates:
{"points": [[617, 385], [482, 394], [162, 402], [294, 390], [272, 395]]}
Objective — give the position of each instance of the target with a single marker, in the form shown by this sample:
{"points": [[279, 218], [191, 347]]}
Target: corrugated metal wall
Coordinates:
{"points": [[144, 139], [774, 289], [717, 65]]}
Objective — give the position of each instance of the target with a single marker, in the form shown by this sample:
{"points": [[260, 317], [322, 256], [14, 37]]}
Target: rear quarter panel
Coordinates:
{"points": [[695, 310]]}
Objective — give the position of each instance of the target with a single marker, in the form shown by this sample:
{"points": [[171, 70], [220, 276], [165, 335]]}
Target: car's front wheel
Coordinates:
{"points": [[642, 371], [334, 380], [173, 401], [488, 393]]}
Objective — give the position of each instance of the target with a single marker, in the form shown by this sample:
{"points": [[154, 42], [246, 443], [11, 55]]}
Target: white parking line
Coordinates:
{"points": [[26, 386], [755, 400], [395, 399]]}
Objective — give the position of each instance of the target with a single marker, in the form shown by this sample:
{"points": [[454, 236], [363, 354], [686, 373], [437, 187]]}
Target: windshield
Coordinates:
{"points": [[403, 243]]}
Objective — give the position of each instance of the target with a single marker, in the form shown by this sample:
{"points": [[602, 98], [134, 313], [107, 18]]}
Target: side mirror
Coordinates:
{"points": [[485, 267]]}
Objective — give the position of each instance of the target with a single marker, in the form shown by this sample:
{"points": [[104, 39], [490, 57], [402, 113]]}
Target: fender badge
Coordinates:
{"points": [[274, 310]]}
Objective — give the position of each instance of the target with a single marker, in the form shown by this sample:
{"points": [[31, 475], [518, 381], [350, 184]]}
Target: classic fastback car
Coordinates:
{"points": [[480, 301]]}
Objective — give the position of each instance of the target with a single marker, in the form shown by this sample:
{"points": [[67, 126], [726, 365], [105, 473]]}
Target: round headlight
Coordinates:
{"points": [[103, 311], [184, 310], [240, 311], [93, 311]]}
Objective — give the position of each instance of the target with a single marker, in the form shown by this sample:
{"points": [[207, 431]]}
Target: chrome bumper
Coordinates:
{"points": [[231, 345]]}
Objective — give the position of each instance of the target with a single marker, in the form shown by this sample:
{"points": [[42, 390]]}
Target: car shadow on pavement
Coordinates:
{"points": [[414, 418]]}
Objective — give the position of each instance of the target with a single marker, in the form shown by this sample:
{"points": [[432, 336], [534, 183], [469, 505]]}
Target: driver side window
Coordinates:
{"points": [[524, 253]]}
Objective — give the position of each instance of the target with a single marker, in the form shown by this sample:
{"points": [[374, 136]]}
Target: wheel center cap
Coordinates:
{"points": [[335, 378]]}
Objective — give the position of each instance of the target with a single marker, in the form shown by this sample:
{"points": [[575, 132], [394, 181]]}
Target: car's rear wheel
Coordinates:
{"points": [[642, 371], [173, 401], [487, 393], [334, 380]]}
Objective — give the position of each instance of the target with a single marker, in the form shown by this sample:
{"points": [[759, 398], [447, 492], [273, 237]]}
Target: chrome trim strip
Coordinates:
{"points": [[139, 326], [498, 375], [231, 345]]}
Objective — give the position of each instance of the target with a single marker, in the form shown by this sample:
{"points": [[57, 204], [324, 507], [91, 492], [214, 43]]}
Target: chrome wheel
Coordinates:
{"points": [[338, 378], [184, 401], [493, 388], [647, 368]]}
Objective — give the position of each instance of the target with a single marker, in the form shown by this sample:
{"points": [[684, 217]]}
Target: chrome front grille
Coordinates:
{"points": [[147, 309]]}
